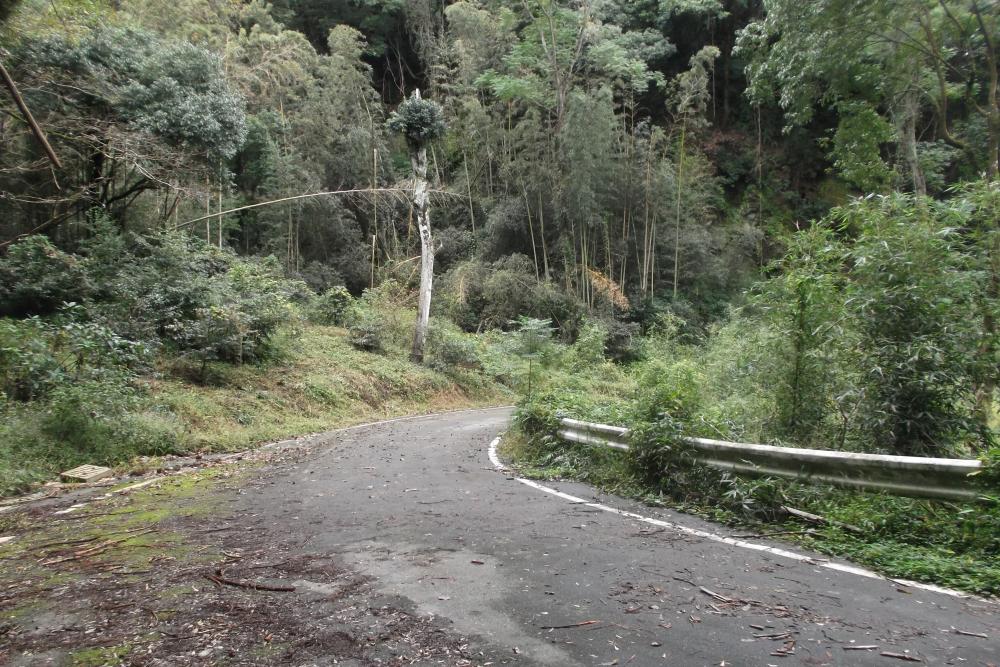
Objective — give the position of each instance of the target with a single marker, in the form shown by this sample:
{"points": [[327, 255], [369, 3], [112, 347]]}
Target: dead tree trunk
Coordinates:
{"points": [[421, 211]]}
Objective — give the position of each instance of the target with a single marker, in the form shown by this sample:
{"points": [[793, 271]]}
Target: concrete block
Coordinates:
{"points": [[86, 473]]}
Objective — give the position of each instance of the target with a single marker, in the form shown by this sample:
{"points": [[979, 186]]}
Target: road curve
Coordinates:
{"points": [[534, 579]]}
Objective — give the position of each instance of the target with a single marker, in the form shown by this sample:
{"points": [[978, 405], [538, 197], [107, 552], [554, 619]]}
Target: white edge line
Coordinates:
{"points": [[753, 546]]}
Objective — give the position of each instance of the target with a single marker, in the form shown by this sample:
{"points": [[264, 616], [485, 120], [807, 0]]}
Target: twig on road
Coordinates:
{"points": [[571, 625], [900, 656], [981, 635]]}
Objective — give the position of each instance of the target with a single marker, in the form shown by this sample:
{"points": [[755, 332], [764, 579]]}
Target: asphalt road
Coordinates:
{"points": [[532, 578]]}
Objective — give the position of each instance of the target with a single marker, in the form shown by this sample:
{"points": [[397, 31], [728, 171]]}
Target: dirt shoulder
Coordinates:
{"points": [[167, 574]]}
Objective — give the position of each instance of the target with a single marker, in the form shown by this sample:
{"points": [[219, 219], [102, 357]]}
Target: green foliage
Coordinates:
{"points": [[36, 278], [38, 356], [419, 120], [171, 290], [588, 349], [366, 335], [989, 476], [93, 421], [334, 306], [691, 89], [809, 57], [478, 295], [857, 147], [164, 292], [910, 295], [561, 46], [450, 348], [171, 89], [533, 336], [803, 304]]}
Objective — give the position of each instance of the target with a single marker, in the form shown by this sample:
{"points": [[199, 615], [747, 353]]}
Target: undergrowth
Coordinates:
{"points": [[318, 382], [946, 543]]}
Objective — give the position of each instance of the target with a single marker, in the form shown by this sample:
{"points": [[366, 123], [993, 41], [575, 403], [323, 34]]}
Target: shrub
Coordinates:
{"points": [[672, 387], [160, 281], [105, 422], [451, 349], [249, 306], [262, 299], [479, 296], [910, 295], [94, 421], [36, 278], [589, 346], [622, 343], [333, 306], [388, 309], [366, 336], [37, 356], [208, 304], [803, 303]]}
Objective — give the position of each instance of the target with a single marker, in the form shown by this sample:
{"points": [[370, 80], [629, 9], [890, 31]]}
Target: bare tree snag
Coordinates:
{"points": [[421, 211], [420, 121]]}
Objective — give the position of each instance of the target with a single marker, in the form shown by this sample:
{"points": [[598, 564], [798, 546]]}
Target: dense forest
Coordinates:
{"points": [[801, 196], [663, 148]]}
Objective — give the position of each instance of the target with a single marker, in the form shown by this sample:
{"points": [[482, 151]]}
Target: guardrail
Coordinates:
{"points": [[912, 476]]}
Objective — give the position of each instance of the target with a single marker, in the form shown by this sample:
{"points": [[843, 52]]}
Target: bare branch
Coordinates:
{"points": [[35, 127], [396, 191]]}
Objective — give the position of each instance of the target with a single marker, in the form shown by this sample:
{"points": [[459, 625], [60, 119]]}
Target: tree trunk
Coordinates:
{"points": [[421, 210], [677, 221], [531, 231], [908, 140], [541, 233]]}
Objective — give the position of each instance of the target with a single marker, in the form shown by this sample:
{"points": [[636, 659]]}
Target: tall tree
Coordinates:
{"points": [[897, 57]]}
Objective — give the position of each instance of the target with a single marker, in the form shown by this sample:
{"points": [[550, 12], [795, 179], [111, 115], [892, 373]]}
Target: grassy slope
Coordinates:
{"points": [[322, 383], [325, 383]]}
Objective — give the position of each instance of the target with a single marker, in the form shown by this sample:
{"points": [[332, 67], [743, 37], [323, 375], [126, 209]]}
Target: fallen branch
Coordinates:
{"points": [[264, 566], [816, 518], [981, 635], [869, 647], [32, 123], [807, 531], [64, 543], [900, 656], [711, 594], [571, 625], [97, 549], [219, 580]]}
